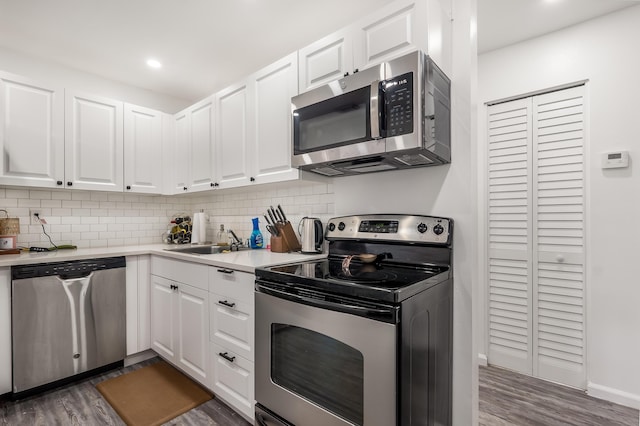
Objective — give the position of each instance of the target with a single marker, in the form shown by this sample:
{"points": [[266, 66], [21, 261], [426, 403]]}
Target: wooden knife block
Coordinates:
{"points": [[277, 245], [287, 241]]}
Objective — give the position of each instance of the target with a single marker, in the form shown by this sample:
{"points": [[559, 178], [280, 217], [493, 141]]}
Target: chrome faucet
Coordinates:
{"points": [[237, 243]]}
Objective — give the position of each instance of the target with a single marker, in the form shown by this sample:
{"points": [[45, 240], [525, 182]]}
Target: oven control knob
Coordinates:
{"points": [[438, 229], [422, 228], [341, 226], [332, 227]]}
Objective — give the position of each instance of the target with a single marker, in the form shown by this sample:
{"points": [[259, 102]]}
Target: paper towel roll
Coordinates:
{"points": [[199, 228]]}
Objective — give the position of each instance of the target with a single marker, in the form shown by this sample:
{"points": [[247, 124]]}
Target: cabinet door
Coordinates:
{"points": [[179, 161], [193, 320], [274, 86], [325, 60], [31, 132], [5, 330], [202, 146], [93, 142], [163, 317], [390, 32], [142, 149], [233, 135]]}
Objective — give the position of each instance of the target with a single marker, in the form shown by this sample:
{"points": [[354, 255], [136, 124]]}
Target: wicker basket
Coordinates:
{"points": [[8, 225]]}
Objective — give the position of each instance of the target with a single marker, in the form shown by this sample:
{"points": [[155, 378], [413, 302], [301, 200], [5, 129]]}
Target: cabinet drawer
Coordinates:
{"points": [[233, 284], [232, 379], [194, 274], [232, 326]]}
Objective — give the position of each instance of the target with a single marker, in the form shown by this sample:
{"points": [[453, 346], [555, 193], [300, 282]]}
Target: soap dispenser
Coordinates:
{"points": [[221, 237], [256, 241]]}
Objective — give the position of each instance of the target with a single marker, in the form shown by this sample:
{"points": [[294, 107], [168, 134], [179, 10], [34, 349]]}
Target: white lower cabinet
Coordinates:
{"points": [[5, 330], [232, 338], [180, 316]]}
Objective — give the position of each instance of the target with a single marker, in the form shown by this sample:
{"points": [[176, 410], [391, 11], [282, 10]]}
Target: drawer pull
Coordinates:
{"points": [[226, 303], [226, 356], [226, 271]]}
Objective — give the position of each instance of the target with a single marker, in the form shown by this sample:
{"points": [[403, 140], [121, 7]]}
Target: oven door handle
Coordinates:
{"points": [[384, 314]]}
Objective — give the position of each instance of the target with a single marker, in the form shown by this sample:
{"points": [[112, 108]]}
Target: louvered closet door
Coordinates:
{"points": [[536, 236], [509, 235], [558, 189]]}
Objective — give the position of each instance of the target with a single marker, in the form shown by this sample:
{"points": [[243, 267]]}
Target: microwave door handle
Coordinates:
{"points": [[374, 108]]}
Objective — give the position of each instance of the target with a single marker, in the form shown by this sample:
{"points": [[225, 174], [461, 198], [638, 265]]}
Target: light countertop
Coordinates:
{"points": [[246, 260]]}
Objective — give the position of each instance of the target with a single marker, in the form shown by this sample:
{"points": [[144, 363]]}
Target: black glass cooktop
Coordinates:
{"points": [[383, 281]]}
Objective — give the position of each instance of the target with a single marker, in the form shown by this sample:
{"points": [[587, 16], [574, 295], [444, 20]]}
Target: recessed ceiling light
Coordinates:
{"points": [[154, 63]]}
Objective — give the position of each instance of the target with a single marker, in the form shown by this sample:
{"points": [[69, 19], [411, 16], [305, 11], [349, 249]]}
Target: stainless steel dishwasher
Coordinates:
{"points": [[68, 318]]}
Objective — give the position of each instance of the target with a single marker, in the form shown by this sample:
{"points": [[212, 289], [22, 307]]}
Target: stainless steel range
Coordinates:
{"points": [[363, 337]]}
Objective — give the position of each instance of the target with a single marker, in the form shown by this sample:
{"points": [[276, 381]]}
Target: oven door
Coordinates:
{"points": [[320, 367]]}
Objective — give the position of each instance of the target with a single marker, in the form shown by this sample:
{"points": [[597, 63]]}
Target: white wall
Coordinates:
{"points": [[604, 52], [441, 191], [39, 70]]}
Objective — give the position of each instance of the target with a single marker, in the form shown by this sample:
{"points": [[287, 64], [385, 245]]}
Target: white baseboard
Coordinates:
{"points": [[139, 357], [482, 360], [613, 395]]}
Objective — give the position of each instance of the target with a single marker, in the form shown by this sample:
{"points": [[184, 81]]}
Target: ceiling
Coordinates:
{"points": [[205, 45]]}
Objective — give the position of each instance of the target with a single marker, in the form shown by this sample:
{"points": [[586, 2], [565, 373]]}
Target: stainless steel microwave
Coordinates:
{"points": [[392, 116]]}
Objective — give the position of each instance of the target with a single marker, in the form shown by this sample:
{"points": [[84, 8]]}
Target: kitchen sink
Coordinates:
{"points": [[199, 249]]}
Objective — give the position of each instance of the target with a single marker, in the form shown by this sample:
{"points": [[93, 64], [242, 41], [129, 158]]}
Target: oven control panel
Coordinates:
{"points": [[405, 228]]}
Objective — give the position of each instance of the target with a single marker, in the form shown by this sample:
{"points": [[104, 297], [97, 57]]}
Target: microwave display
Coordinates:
{"points": [[398, 105]]}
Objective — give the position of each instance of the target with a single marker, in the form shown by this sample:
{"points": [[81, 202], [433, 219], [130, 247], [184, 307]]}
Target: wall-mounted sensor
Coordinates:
{"points": [[615, 160]]}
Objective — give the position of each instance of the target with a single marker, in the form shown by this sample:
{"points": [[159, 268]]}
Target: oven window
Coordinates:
{"points": [[319, 368], [337, 121]]}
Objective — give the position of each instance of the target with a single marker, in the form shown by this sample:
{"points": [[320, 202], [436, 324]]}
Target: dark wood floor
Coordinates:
{"points": [[81, 404], [506, 398]]}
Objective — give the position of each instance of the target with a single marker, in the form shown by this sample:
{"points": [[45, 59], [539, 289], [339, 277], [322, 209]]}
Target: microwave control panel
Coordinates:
{"points": [[398, 105]]}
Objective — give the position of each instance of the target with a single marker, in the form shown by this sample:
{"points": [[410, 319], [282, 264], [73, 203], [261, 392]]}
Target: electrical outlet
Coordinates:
{"points": [[34, 218]]}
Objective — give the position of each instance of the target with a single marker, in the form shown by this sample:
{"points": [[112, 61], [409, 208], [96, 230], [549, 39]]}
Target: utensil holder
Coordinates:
{"points": [[278, 245]]}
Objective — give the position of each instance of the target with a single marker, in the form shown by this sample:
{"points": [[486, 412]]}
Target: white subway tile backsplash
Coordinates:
{"points": [[106, 219]]}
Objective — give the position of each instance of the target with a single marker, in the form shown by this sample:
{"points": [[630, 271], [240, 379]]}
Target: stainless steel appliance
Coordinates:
{"points": [[362, 337], [311, 232], [67, 318], [393, 116]]}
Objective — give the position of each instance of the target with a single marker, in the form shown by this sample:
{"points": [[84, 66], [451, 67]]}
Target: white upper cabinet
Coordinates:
{"points": [[93, 142], [253, 126], [31, 132], [392, 31], [142, 149], [325, 60], [396, 29], [202, 146], [193, 157], [234, 134], [273, 88]]}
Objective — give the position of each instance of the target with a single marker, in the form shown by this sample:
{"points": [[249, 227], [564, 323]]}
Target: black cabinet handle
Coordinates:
{"points": [[226, 356], [226, 271], [346, 73], [59, 182], [173, 287], [69, 183], [216, 184], [226, 303], [128, 187], [213, 184], [356, 70], [185, 188], [252, 179]]}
